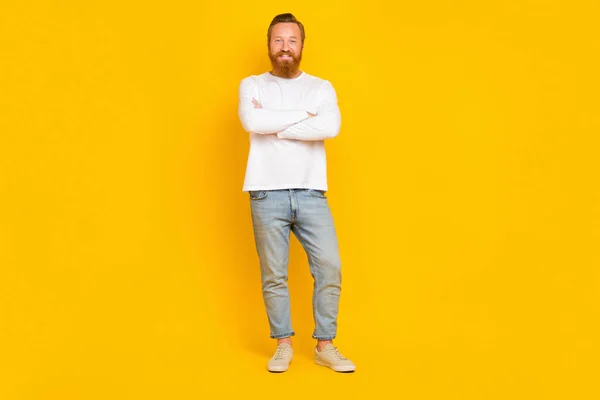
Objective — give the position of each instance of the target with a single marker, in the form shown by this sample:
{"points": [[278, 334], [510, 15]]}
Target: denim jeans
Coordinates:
{"points": [[306, 213]]}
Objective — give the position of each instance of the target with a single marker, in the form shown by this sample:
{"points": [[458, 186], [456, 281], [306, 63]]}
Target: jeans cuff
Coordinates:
{"points": [[282, 335], [321, 337]]}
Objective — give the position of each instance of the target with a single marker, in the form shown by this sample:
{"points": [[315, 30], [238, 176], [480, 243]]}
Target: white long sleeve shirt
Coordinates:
{"points": [[287, 147]]}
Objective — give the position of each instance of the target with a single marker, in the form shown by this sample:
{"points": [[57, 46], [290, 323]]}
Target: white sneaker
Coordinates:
{"points": [[331, 357], [282, 358]]}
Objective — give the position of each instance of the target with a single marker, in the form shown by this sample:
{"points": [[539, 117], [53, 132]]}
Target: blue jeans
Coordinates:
{"points": [[306, 213]]}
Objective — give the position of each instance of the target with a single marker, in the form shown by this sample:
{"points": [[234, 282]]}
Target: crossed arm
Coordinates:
{"points": [[290, 124]]}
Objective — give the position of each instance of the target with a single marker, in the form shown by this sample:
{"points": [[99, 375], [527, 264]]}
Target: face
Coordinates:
{"points": [[285, 49]]}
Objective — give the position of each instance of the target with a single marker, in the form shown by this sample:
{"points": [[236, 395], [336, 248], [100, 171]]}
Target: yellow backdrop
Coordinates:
{"points": [[464, 185]]}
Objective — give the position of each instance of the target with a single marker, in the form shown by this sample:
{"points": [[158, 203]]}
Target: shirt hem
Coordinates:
{"points": [[283, 187]]}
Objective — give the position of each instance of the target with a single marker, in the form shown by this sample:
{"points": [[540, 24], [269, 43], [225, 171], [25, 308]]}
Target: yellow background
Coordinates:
{"points": [[464, 185]]}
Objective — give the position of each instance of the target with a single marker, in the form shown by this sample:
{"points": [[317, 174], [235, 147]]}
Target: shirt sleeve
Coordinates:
{"points": [[325, 125], [261, 120]]}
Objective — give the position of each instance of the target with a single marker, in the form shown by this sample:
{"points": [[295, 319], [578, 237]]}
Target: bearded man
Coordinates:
{"points": [[289, 114]]}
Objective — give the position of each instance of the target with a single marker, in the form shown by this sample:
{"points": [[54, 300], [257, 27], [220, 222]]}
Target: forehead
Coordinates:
{"points": [[286, 29]]}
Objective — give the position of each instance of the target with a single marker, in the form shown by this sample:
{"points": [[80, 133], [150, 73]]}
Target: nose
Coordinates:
{"points": [[285, 46]]}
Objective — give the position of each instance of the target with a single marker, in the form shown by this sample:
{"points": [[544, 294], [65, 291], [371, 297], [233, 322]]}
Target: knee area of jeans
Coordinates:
{"points": [[274, 282], [331, 276], [327, 261], [332, 265]]}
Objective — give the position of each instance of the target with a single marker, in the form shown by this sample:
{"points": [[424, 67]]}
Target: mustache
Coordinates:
{"points": [[284, 53]]}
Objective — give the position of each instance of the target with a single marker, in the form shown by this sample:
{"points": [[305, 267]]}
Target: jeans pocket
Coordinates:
{"points": [[258, 194], [317, 193]]}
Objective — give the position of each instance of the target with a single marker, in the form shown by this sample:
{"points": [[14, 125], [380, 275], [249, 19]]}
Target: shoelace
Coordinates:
{"points": [[336, 354], [281, 352]]}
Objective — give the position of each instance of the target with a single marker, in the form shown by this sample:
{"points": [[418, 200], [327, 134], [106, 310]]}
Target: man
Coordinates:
{"points": [[289, 114]]}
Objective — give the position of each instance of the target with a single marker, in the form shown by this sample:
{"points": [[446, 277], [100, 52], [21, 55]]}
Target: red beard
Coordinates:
{"points": [[285, 68]]}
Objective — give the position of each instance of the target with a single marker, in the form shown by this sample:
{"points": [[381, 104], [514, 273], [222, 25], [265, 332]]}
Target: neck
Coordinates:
{"points": [[282, 74]]}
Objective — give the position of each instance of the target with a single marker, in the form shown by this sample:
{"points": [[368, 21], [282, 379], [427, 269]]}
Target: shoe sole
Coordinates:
{"points": [[279, 369], [336, 368], [276, 371]]}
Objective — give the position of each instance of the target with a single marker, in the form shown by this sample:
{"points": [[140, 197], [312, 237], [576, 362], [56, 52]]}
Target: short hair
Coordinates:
{"points": [[285, 18]]}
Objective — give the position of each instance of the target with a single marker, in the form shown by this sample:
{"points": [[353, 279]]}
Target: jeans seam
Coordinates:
{"points": [[314, 296]]}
